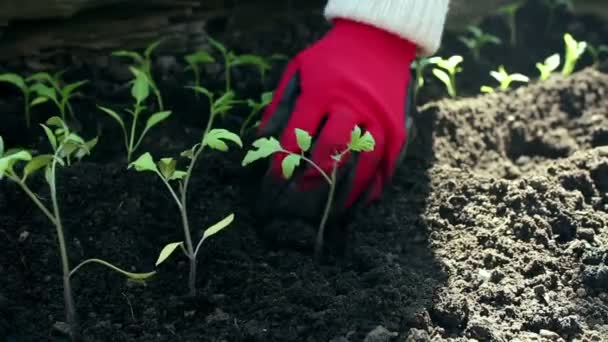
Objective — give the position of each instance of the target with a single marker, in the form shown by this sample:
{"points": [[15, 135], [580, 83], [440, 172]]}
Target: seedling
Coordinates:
{"points": [[255, 107], [510, 12], [596, 52], [20, 83], [196, 59], [67, 145], [140, 90], [446, 73], [574, 50], [505, 79], [547, 67], [231, 60], [265, 147], [50, 88], [167, 172], [143, 62], [419, 66], [478, 39]]}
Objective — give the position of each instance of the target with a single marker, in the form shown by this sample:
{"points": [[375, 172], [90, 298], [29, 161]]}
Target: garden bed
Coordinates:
{"points": [[495, 228]]}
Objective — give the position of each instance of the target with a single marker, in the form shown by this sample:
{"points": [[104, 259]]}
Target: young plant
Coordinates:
{"points": [[49, 87], [231, 60], [20, 83], [255, 107], [505, 79], [166, 170], [143, 62], [419, 65], [510, 12], [547, 67], [478, 39], [68, 145], [196, 59], [265, 147], [574, 51], [446, 73], [596, 52], [140, 90]]}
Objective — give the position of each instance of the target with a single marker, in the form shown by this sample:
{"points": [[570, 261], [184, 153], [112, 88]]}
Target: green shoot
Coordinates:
{"points": [[419, 65], [596, 52], [231, 60], [140, 90], [547, 67], [510, 12], [50, 88], [67, 145], [446, 73], [255, 107], [478, 39], [196, 59], [167, 172], [505, 79], [265, 147], [20, 83], [143, 62], [574, 50]]}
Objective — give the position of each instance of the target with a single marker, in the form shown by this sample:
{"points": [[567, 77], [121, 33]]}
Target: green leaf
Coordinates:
{"points": [[167, 167], [144, 163], [267, 98], [215, 137], [7, 161], [486, 89], [152, 47], [178, 175], [37, 163], [129, 54], [44, 91], [258, 61], [361, 143], [67, 91], [157, 118], [304, 139], [15, 80], [113, 114], [141, 86], [445, 78], [38, 101], [42, 77], [167, 251], [86, 148], [289, 164], [190, 153], [224, 103], [50, 136], [218, 227], [217, 45], [55, 121], [264, 148], [202, 90], [199, 57]]}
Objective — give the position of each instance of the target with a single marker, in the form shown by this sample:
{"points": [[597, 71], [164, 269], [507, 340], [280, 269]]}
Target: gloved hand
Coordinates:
{"points": [[355, 75]]}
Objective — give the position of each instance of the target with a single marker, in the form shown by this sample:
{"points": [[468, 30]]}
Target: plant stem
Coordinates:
{"points": [[132, 136], [248, 120], [328, 204]]}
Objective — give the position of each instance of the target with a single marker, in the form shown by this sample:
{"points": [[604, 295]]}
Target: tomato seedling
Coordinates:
{"points": [[65, 145], [255, 108], [574, 50], [166, 170], [477, 40], [419, 65], [140, 90], [265, 147], [548, 66], [194, 60], [446, 73], [51, 88], [505, 79]]}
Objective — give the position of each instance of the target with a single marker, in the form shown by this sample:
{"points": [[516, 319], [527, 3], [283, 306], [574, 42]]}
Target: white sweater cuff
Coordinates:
{"points": [[419, 21]]}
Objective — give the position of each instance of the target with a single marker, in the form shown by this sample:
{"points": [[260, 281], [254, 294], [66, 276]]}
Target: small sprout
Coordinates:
{"points": [[446, 73], [265, 147], [196, 59], [505, 79], [255, 107], [550, 64], [143, 62], [66, 144], [166, 170], [140, 91], [419, 65], [574, 50], [510, 12], [596, 52], [477, 40], [50, 88]]}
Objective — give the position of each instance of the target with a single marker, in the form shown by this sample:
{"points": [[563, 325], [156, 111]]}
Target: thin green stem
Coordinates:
{"points": [[313, 164], [132, 136], [328, 205], [248, 120]]}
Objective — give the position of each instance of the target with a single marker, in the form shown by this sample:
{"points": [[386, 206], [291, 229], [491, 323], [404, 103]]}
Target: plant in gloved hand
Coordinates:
{"points": [[65, 145], [143, 62], [140, 91], [547, 67], [265, 147], [505, 79], [477, 40], [166, 170], [574, 50], [446, 73]]}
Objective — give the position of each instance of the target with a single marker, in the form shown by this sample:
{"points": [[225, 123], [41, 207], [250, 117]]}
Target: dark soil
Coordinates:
{"points": [[495, 228]]}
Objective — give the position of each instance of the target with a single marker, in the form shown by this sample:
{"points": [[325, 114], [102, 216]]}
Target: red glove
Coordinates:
{"points": [[355, 75]]}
